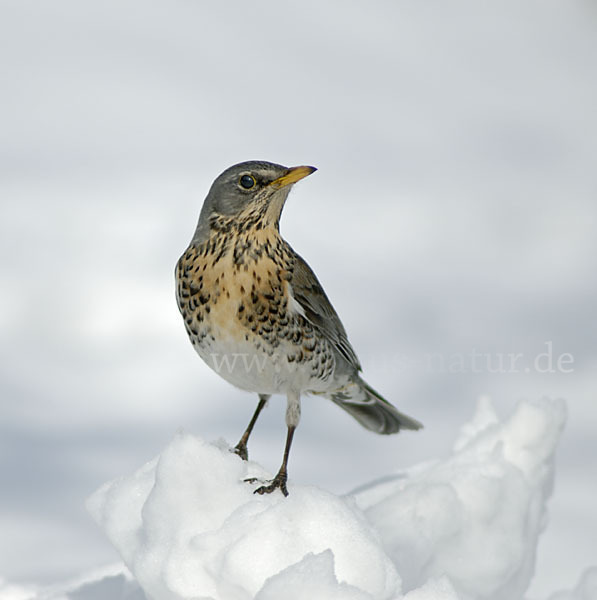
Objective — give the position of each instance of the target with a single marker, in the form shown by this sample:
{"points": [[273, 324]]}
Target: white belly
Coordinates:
{"points": [[249, 368]]}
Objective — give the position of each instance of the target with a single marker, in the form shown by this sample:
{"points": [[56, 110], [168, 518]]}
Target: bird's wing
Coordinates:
{"points": [[307, 291]]}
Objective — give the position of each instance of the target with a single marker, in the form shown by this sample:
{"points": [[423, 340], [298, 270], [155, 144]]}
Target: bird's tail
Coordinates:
{"points": [[371, 410]]}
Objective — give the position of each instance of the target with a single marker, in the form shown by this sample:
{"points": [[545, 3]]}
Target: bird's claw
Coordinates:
{"points": [[278, 482]]}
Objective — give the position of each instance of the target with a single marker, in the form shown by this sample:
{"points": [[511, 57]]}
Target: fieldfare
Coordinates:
{"points": [[256, 313]]}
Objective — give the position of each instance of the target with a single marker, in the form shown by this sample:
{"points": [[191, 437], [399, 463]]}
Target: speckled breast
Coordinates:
{"points": [[237, 305]]}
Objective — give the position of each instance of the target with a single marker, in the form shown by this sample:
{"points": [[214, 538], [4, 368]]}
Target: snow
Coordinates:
{"points": [[586, 588], [477, 515], [187, 524], [113, 582], [463, 527]]}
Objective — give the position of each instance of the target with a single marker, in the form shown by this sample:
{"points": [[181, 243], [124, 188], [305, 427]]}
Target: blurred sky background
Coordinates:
{"points": [[453, 212]]}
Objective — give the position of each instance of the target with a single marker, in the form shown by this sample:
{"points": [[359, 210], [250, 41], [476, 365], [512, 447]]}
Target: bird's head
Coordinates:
{"points": [[252, 190]]}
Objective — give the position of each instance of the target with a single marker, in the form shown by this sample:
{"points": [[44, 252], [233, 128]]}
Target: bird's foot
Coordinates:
{"points": [[241, 450], [278, 482]]}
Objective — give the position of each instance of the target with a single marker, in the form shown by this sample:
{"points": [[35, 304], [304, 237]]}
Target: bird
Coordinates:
{"points": [[256, 313]]}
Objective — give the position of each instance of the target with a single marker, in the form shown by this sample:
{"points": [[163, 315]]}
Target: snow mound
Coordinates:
{"points": [[9, 591], [475, 516], [113, 582], [188, 526], [585, 590]]}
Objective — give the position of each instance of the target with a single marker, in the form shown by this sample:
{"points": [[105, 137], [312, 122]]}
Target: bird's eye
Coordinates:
{"points": [[247, 181]]}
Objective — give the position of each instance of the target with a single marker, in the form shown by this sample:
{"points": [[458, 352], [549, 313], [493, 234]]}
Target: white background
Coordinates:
{"points": [[453, 212]]}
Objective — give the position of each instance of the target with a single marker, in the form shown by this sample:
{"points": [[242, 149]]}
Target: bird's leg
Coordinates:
{"points": [[279, 481], [293, 416], [241, 447]]}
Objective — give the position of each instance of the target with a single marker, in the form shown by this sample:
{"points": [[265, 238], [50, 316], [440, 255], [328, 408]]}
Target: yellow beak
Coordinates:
{"points": [[291, 176]]}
